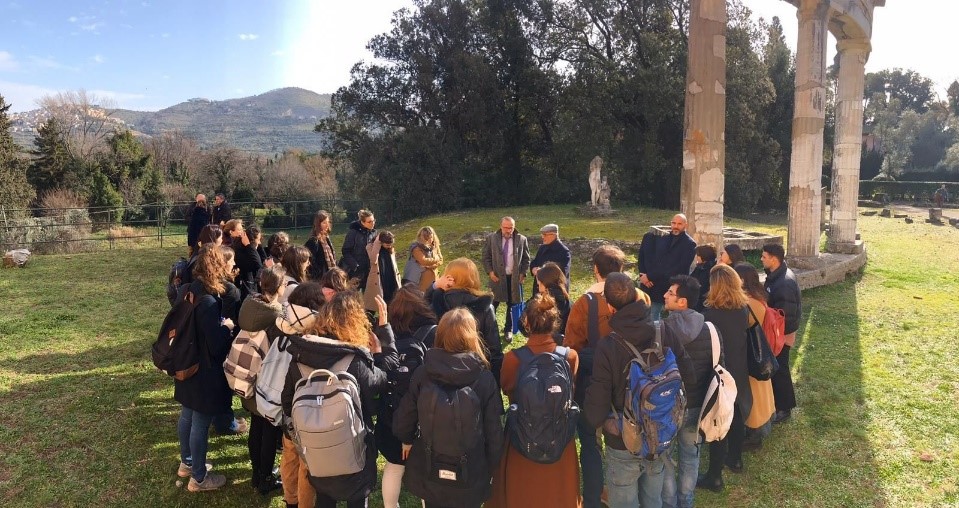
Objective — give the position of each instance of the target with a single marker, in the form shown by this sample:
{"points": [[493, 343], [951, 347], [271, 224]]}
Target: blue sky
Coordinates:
{"points": [[155, 53]]}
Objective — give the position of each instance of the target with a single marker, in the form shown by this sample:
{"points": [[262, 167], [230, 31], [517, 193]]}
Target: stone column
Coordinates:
{"points": [[805, 173], [844, 202], [704, 144]]}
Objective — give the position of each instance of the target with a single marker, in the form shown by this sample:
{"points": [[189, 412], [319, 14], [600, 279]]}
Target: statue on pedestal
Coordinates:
{"points": [[596, 180]]}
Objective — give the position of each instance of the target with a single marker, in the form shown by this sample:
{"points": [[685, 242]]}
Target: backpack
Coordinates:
{"points": [[271, 379], [176, 350], [176, 278], [774, 326], [411, 353], [541, 421], [327, 417], [451, 428], [716, 415], [655, 402], [244, 361], [592, 337]]}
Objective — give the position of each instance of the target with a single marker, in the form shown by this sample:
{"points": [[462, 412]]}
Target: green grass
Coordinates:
{"points": [[88, 421]]}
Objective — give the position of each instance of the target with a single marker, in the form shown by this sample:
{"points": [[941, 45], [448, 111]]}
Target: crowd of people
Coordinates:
{"points": [[423, 351]]}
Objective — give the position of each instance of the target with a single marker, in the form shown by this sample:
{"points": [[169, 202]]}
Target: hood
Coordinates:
{"points": [[685, 324], [633, 324], [453, 369], [295, 319], [256, 314], [462, 298], [323, 352]]}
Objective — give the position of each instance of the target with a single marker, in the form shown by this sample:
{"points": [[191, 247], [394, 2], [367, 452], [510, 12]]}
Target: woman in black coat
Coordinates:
{"points": [[342, 328], [705, 261], [247, 259], [322, 254], [727, 308], [355, 260], [456, 362]]}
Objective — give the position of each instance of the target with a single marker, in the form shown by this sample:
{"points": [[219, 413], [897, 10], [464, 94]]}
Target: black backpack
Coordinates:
{"points": [[451, 426], [541, 421], [176, 350], [177, 277], [411, 351]]}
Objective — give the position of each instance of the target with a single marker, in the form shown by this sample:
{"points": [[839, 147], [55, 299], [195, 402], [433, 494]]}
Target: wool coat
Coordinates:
{"points": [[318, 265], [207, 391], [493, 262], [661, 257], [355, 260], [384, 279]]}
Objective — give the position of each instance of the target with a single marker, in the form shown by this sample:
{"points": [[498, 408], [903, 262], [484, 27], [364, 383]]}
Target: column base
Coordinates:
{"points": [[855, 247], [806, 262]]}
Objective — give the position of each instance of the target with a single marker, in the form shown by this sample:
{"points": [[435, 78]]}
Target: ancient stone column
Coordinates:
{"points": [[704, 144], [805, 173], [844, 201]]}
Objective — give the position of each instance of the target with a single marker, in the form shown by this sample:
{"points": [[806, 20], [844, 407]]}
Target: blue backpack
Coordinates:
{"points": [[655, 402]]}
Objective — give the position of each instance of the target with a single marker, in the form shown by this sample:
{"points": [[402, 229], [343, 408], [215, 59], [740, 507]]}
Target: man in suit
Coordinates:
{"points": [[506, 260], [662, 257]]}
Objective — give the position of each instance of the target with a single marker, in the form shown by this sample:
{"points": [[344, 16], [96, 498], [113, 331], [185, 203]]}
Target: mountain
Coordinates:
{"points": [[268, 123]]}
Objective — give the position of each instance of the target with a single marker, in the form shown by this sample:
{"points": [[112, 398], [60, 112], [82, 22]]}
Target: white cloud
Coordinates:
{"points": [[165, 35], [8, 63], [249, 37], [99, 59], [73, 19], [278, 52], [93, 27], [49, 63], [23, 97]]}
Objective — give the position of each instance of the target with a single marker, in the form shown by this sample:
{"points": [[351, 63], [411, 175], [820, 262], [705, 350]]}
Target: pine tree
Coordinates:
{"points": [[16, 193], [51, 166]]}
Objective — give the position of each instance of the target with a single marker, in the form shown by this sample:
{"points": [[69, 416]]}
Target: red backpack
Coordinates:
{"points": [[774, 326]]}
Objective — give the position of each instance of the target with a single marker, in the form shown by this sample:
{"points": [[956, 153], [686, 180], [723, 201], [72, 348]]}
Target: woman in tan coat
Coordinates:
{"points": [[764, 404], [425, 257], [520, 482]]}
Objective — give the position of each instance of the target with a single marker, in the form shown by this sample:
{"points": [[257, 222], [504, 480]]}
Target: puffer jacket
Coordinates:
{"points": [[482, 309], [784, 294]]}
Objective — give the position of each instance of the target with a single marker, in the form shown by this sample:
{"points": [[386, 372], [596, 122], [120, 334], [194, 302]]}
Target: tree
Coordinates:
{"points": [[953, 94], [781, 70], [52, 165], [86, 118], [16, 193]]}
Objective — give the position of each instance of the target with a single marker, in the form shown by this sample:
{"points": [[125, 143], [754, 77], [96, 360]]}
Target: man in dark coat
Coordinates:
{"points": [[221, 210], [662, 257], [199, 217], [553, 250], [783, 291], [505, 260]]}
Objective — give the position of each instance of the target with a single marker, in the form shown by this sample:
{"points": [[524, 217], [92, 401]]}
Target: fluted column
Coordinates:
{"points": [[704, 145], [805, 172], [844, 201]]}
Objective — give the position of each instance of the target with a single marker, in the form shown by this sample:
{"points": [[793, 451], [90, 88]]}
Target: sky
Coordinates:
{"points": [[148, 55]]}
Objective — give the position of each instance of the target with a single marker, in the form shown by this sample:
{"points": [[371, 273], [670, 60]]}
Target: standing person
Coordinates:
{"points": [[726, 307], [342, 329], [519, 481], [705, 261], [414, 326], [589, 322], [320, 246], [277, 245], [384, 278], [552, 250], [209, 235], [630, 479], [247, 259], [256, 238], [449, 466], [206, 394], [684, 331], [199, 217], [424, 258], [783, 291], [731, 255], [459, 286], [355, 260], [296, 261], [551, 281], [221, 210], [662, 257], [505, 260], [758, 422]]}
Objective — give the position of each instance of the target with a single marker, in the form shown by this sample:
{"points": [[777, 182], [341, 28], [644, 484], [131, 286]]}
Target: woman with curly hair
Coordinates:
{"points": [[424, 258]]}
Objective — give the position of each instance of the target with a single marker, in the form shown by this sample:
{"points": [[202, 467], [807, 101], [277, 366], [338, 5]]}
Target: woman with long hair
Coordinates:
{"points": [[384, 278], [355, 261], [211, 234], [459, 286], [731, 255], [414, 325], [705, 261], [519, 481], [248, 262], [206, 394], [342, 329], [727, 308], [764, 403], [296, 261], [551, 280], [455, 368], [424, 258], [320, 245]]}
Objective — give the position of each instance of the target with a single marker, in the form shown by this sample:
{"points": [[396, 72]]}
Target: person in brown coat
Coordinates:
{"points": [[520, 482]]}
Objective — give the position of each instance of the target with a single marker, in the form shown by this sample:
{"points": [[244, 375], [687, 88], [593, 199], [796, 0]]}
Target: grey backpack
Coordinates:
{"points": [[327, 418], [270, 381]]}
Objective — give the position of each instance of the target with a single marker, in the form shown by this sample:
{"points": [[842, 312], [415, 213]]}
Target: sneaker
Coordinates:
{"points": [[212, 481], [509, 337], [239, 426], [185, 470]]}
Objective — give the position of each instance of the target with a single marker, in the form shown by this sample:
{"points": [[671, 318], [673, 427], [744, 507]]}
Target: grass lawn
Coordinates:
{"points": [[88, 421]]}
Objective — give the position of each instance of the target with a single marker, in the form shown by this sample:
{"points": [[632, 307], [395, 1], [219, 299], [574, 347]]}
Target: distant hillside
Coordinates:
{"points": [[267, 123]]}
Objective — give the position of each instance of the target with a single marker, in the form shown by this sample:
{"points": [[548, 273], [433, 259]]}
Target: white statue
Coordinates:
{"points": [[604, 192], [595, 179]]}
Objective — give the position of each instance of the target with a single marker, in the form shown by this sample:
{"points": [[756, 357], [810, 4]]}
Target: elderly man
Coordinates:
{"points": [[661, 258], [553, 250], [506, 259]]}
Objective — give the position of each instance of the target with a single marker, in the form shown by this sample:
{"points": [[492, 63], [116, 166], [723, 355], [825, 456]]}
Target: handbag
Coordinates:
{"points": [[516, 311], [760, 360]]}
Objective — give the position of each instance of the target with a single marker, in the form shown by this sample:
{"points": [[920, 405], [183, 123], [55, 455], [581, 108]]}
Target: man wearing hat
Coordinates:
{"points": [[553, 250]]}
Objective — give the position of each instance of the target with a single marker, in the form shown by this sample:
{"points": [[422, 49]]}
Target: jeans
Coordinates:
{"points": [[193, 430], [223, 423], [656, 310], [590, 462], [624, 470], [688, 464]]}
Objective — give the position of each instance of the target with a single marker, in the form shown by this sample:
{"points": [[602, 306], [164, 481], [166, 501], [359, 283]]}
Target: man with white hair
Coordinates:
{"points": [[662, 257]]}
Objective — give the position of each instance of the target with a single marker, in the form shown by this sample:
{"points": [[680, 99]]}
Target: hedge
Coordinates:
{"points": [[905, 190]]}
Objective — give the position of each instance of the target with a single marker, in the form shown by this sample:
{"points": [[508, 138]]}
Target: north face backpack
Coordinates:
{"points": [[271, 379], [716, 416], [541, 421], [452, 430], [327, 419], [244, 361], [176, 278], [411, 353], [655, 403], [176, 350]]}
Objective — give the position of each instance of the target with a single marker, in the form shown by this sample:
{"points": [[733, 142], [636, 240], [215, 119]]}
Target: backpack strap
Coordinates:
{"points": [[525, 355], [753, 314], [340, 366], [592, 319], [714, 337], [562, 351], [422, 332]]}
